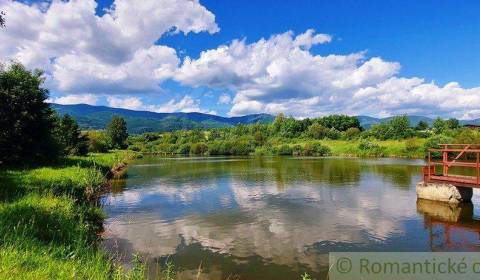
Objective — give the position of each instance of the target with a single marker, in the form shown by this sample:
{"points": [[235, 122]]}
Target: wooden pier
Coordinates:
{"points": [[466, 159]]}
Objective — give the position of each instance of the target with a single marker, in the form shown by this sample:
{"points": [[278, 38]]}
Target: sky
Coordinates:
{"points": [[302, 58]]}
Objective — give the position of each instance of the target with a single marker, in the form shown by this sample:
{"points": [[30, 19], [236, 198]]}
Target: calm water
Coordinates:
{"points": [[275, 218]]}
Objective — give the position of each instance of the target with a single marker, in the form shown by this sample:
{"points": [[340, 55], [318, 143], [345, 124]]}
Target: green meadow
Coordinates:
{"points": [[50, 224]]}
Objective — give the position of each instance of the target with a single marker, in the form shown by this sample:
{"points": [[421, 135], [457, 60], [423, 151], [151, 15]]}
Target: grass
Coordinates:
{"points": [[410, 148], [48, 227]]}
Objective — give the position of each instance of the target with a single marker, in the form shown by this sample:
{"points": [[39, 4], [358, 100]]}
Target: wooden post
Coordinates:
{"points": [[429, 164], [445, 162], [478, 168]]}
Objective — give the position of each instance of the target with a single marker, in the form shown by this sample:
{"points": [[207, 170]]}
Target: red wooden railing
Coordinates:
{"points": [[465, 156]]}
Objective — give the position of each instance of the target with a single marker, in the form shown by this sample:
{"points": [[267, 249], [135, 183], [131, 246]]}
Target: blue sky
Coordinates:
{"points": [[404, 46]]}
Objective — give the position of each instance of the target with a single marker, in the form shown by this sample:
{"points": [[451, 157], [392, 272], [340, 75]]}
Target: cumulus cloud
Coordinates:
{"points": [[281, 74], [82, 51], [131, 102], [75, 99], [185, 104], [224, 99]]}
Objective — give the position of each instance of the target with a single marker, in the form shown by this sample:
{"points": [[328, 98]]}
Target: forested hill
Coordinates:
{"points": [[97, 117]]}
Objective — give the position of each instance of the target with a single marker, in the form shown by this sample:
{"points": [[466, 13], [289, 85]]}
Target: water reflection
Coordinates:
{"points": [[270, 218], [451, 227]]}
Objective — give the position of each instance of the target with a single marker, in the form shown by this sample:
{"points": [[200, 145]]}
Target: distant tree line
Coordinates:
{"points": [[285, 134], [31, 132]]}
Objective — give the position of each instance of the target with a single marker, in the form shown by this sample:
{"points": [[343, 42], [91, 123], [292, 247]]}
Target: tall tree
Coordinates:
{"points": [[70, 137], [439, 126], [117, 132], [453, 123], [422, 125], [26, 120]]}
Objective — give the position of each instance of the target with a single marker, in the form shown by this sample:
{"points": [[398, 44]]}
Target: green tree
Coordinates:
{"points": [[117, 132], [317, 131], [400, 127], [26, 120], [452, 123], [340, 122], [97, 141], [278, 122], [421, 125], [69, 136], [439, 126], [352, 133]]}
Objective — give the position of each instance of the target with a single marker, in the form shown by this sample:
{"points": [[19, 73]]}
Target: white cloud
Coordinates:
{"points": [[75, 99], [186, 104], [133, 103], [224, 99], [82, 51], [280, 74]]}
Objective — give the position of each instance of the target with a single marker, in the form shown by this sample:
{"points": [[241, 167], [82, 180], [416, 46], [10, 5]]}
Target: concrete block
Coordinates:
{"points": [[444, 192]]}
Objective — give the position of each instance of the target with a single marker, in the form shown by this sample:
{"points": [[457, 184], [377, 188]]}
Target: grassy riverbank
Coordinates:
{"points": [[407, 148], [49, 225]]}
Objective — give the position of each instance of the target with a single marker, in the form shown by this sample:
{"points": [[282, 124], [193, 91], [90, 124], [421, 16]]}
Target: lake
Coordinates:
{"points": [[275, 217]]}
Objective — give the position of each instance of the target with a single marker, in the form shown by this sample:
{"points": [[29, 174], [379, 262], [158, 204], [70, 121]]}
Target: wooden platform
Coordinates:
{"points": [[457, 180], [463, 156]]}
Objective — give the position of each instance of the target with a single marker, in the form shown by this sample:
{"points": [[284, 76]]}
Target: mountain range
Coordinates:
{"points": [[97, 117]]}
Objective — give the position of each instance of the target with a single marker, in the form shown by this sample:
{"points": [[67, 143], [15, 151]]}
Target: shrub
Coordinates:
{"points": [[317, 131], [198, 149], [284, 150], [166, 148], [70, 139], [467, 136], [352, 133], [333, 134], [297, 150], [97, 141], [183, 149], [315, 149], [370, 148], [241, 148], [411, 145], [432, 143]]}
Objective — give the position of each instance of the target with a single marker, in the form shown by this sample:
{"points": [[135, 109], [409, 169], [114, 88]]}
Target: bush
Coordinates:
{"points": [[315, 149], [317, 131], [370, 148], [242, 148], [183, 149], [411, 145], [352, 133], [467, 136], [284, 150], [97, 141], [333, 134], [297, 150], [69, 137], [432, 143], [198, 149]]}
